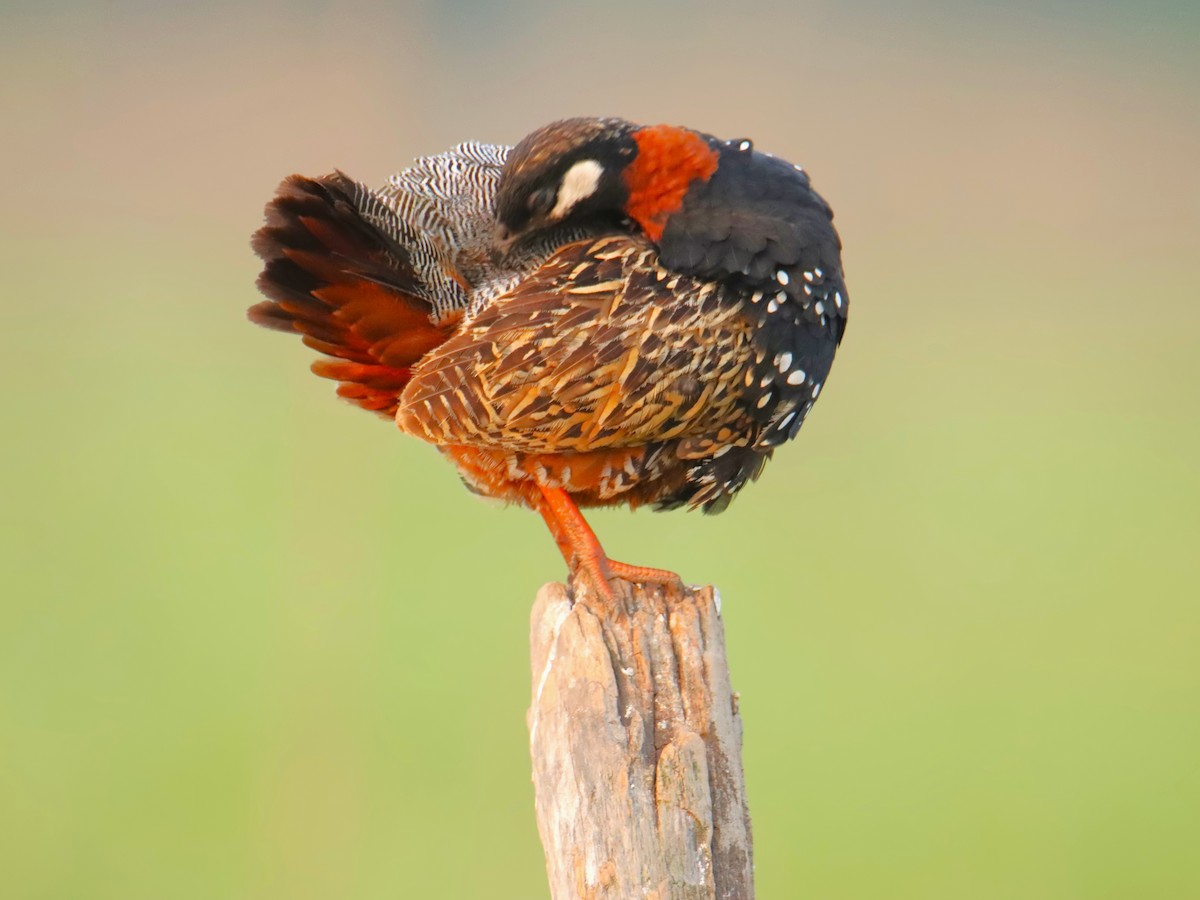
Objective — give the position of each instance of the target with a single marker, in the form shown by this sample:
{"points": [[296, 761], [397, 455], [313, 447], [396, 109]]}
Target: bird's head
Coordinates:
{"points": [[568, 171], [580, 171]]}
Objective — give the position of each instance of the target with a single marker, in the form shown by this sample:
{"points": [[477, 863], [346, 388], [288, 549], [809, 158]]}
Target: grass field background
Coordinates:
{"points": [[256, 644]]}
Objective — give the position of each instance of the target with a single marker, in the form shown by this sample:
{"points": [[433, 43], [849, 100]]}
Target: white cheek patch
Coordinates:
{"points": [[579, 183]]}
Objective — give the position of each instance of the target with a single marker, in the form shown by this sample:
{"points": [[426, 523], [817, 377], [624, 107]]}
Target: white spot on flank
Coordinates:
{"points": [[782, 277], [786, 420], [578, 184], [764, 400], [772, 305], [816, 389], [820, 308], [756, 296], [837, 299], [796, 377], [808, 276], [783, 361], [766, 379], [819, 273]]}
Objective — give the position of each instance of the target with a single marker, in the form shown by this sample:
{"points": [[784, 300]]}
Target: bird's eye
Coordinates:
{"points": [[542, 201]]}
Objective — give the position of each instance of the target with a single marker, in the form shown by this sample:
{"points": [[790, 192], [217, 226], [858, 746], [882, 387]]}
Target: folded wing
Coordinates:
{"points": [[599, 348]]}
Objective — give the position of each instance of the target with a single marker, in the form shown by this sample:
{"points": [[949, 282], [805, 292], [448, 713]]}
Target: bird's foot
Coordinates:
{"points": [[599, 573], [588, 563], [644, 574]]}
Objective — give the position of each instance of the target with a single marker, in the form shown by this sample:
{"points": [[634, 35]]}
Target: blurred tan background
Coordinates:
{"points": [[256, 644]]}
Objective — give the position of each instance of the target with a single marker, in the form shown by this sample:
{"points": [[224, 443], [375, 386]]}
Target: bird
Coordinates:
{"points": [[604, 314]]}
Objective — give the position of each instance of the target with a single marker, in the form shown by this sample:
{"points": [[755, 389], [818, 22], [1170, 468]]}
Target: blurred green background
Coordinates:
{"points": [[254, 643]]}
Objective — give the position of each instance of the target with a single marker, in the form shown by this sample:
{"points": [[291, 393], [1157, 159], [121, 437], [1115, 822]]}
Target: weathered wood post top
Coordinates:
{"points": [[636, 745]]}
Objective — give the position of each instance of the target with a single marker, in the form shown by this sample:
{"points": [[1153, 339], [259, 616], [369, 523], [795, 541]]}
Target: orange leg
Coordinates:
{"points": [[582, 551]]}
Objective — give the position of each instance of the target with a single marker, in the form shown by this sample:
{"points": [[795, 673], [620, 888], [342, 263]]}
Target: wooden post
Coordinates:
{"points": [[636, 745]]}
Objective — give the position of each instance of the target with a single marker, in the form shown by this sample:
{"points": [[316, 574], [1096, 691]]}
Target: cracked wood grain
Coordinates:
{"points": [[636, 746]]}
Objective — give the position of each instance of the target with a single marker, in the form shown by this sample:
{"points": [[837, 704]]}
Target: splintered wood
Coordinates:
{"points": [[636, 746]]}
